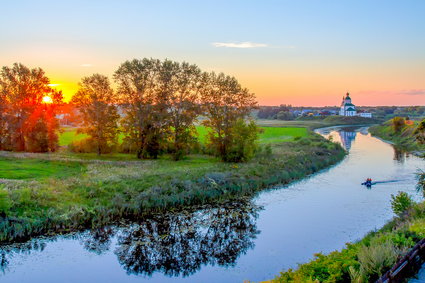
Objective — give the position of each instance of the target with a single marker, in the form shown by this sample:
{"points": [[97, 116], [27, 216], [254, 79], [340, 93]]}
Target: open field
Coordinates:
{"points": [[317, 122], [269, 135], [273, 130], [37, 169]]}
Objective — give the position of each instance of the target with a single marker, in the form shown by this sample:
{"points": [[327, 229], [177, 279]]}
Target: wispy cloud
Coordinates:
{"points": [[86, 65], [245, 44], [413, 92], [395, 92]]}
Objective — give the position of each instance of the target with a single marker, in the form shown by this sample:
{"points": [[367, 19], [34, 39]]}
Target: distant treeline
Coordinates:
{"points": [[160, 102], [288, 112]]}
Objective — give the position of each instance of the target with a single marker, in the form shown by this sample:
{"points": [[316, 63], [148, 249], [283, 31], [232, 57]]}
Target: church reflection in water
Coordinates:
{"points": [[347, 136]]}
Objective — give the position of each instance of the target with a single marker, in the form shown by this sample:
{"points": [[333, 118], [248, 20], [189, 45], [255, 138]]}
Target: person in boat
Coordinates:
{"points": [[368, 182]]}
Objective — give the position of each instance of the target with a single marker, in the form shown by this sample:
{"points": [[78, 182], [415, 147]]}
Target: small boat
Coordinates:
{"points": [[368, 183]]}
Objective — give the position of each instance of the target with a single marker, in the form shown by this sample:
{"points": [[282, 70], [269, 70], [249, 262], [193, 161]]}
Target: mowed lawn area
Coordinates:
{"points": [[269, 134], [21, 169]]}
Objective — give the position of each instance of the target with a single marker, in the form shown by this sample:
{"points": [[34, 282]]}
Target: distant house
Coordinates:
{"points": [[325, 113], [349, 109], [364, 114], [306, 112]]}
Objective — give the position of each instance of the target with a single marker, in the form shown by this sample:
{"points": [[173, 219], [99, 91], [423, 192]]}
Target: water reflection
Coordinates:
{"points": [[8, 252], [400, 155], [173, 243], [344, 134], [347, 136], [179, 244], [98, 241]]}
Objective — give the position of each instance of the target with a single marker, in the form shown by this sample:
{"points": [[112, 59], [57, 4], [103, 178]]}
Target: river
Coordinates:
{"points": [[250, 239]]}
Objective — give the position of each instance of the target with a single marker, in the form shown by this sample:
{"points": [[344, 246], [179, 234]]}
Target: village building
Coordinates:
{"points": [[349, 109]]}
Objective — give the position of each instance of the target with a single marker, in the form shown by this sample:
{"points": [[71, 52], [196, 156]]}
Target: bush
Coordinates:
{"points": [[418, 228], [398, 124], [376, 258], [401, 202], [244, 142], [89, 145]]}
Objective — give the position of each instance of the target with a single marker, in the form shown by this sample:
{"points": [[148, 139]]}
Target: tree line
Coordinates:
{"points": [[155, 106]]}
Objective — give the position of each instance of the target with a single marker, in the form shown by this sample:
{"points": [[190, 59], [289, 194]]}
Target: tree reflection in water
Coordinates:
{"points": [[400, 155], [98, 241], [7, 252], [173, 243], [178, 244]]}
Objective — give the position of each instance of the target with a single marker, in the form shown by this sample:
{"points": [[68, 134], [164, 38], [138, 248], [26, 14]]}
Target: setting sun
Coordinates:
{"points": [[47, 99]]}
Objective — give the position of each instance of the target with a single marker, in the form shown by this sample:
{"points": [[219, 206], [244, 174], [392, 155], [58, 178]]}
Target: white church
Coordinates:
{"points": [[349, 109]]}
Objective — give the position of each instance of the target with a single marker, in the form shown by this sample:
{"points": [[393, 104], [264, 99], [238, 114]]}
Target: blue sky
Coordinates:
{"points": [[298, 52]]}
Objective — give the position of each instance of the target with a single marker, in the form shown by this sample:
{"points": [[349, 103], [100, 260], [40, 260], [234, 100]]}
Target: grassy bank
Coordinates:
{"points": [[403, 138], [84, 192]]}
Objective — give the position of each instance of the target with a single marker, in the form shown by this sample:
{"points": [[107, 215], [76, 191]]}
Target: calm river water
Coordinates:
{"points": [[244, 240]]}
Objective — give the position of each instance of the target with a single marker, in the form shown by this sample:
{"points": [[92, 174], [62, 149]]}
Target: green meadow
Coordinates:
{"points": [[22, 169], [268, 135]]}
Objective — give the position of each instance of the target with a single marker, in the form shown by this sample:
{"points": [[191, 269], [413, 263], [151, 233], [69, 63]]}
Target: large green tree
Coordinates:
{"points": [[96, 102], [145, 106], [227, 104], [28, 123], [180, 85]]}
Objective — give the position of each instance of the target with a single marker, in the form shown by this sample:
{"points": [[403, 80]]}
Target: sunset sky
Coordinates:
{"points": [[286, 52]]}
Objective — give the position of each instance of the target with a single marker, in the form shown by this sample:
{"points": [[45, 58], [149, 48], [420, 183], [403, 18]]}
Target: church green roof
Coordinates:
{"points": [[348, 104], [350, 109]]}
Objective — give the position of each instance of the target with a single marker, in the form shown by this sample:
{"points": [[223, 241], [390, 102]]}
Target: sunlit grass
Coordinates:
{"points": [[69, 135], [269, 134], [37, 169]]}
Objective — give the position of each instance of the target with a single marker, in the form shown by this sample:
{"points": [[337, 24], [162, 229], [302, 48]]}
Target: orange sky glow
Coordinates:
{"points": [[303, 53]]}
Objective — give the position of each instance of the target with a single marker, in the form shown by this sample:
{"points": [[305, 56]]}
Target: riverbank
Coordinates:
{"points": [[369, 258], [403, 139], [87, 193]]}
